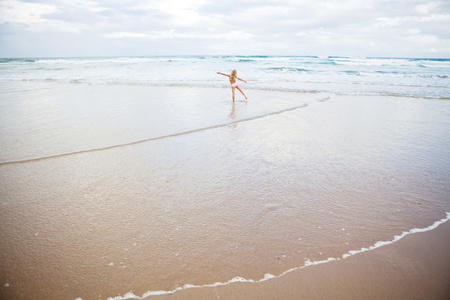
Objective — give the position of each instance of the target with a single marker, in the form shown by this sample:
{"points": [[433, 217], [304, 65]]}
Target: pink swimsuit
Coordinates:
{"points": [[234, 84]]}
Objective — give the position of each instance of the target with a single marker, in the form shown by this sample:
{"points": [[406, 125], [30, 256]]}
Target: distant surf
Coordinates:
{"points": [[414, 77]]}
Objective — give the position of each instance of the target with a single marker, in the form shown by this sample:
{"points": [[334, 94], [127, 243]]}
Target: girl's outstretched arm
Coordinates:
{"points": [[224, 74], [241, 79]]}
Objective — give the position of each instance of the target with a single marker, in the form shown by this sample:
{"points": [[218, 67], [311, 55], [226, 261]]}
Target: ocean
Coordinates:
{"points": [[412, 77], [132, 177]]}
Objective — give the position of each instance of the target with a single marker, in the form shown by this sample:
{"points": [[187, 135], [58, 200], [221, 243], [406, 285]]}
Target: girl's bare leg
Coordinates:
{"points": [[232, 89], [241, 92]]}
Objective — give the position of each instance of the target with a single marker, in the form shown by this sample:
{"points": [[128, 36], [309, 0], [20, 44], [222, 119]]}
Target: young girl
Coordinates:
{"points": [[233, 82]]}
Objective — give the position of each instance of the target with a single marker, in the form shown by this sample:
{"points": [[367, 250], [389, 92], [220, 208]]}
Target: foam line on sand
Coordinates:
{"points": [[159, 137], [131, 295]]}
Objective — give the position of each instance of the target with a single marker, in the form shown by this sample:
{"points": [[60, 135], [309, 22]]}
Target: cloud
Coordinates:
{"points": [[172, 34], [30, 16], [317, 27]]}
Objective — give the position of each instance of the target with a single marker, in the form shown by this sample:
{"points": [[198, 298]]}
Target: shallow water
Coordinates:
{"points": [[111, 189], [41, 119]]}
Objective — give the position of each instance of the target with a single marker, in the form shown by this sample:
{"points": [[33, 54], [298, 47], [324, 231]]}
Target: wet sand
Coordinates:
{"points": [[416, 267], [111, 189]]}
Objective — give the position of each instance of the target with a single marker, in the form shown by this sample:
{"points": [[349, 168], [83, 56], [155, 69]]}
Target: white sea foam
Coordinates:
{"points": [[398, 237], [268, 276], [130, 295]]}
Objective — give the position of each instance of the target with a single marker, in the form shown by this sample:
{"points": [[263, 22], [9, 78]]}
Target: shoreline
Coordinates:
{"points": [[259, 188], [416, 266]]}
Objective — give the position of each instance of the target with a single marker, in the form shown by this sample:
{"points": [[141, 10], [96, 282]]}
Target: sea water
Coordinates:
{"points": [[140, 174], [412, 77]]}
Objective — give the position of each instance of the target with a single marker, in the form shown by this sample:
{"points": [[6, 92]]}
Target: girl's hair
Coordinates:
{"points": [[233, 75]]}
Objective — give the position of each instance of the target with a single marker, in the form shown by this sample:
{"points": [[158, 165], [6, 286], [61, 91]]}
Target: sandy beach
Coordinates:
{"points": [[119, 192], [416, 267]]}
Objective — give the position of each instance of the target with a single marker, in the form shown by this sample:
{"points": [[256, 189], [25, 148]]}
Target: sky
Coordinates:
{"points": [[78, 28]]}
